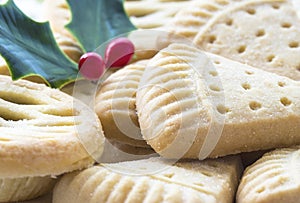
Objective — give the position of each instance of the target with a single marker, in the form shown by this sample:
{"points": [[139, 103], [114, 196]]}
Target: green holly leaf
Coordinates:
{"points": [[29, 48], [97, 21]]}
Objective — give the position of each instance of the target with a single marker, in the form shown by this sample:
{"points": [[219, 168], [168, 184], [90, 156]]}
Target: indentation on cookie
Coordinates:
{"points": [[213, 73], [281, 84], [215, 88], [285, 101], [251, 11], [63, 113], [275, 6], [199, 184], [286, 25], [260, 33], [173, 15], [223, 3], [222, 109], [254, 105], [229, 22], [169, 175], [246, 86], [260, 190], [210, 7], [241, 49], [56, 97], [248, 72], [212, 39], [21, 99], [216, 62], [270, 58], [207, 173], [10, 115], [294, 44], [199, 14]]}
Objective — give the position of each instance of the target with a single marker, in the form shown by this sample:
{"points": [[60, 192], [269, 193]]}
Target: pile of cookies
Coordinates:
{"points": [[214, 114]]}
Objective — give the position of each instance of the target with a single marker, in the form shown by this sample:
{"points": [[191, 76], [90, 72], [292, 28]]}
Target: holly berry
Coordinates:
{"points": [[91, 66], [119, 52]]}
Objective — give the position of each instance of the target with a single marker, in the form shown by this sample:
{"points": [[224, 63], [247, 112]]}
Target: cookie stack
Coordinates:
{"points": [[213, 119]]}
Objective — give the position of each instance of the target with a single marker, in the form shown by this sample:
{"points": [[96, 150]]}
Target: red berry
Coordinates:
{"points": [[119, 52], [91, 66]]}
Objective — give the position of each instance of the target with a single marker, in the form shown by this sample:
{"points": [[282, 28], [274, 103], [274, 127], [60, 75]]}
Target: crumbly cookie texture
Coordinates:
{"points": [[244, 31], [206, 181], [194, 104], [44, 131], [21, 189], [273, 178], [115, 105]]}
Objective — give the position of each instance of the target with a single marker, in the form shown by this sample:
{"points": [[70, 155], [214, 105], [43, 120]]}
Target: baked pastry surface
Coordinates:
{"points": [[207, 181], [194, 104]]}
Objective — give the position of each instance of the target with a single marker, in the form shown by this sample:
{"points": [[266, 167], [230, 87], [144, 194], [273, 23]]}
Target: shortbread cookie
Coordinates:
{"points": [[273, 178], [21, 189], [153, 13], [245, 31], [58, 14], [115, 105], [251, 38], [193, 104], [207, 181], [44, 131]]}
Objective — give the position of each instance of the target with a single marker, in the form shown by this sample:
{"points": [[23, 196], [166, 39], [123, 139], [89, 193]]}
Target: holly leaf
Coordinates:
{"points": [[94, 22], [29, 48]]}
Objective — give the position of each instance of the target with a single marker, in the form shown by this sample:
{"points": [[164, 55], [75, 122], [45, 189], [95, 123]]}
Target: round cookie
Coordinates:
{"points": [[44, 131]]}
